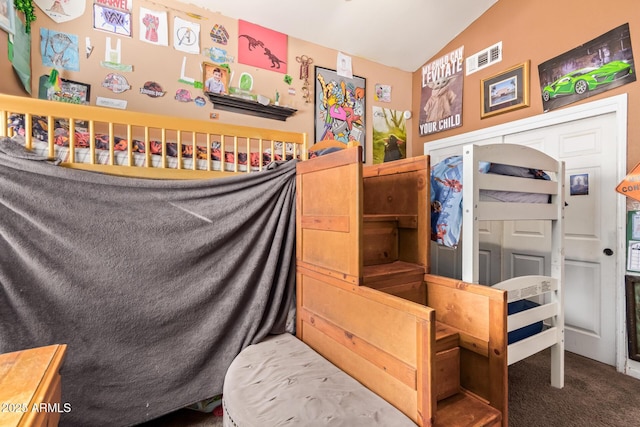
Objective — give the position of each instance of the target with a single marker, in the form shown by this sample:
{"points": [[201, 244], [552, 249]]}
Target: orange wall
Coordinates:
{"points": [[163, 64], [537, 31]]}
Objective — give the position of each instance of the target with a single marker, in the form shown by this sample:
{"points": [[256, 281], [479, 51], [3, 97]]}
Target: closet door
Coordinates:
{"points": [[447, 261], [589, 149]]}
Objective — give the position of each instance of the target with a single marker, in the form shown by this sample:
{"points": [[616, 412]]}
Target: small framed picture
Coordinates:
{"points": [[7, 16], [70, 91], [506, 91], [215, 79]]}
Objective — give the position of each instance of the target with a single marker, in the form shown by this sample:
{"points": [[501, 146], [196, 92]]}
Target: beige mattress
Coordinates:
{"points": [[283, 382]]}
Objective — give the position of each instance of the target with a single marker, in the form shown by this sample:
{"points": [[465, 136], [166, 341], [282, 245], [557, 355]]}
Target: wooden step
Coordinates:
{"points": [[446, 337], [466, 410], [399, 278]]}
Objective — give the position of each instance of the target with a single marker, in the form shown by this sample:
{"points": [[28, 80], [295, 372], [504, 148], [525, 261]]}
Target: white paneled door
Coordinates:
{"points": [[590, 232], [593, 279]]}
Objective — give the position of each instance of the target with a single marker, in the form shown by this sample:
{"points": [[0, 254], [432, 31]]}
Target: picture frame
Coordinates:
{"points": [[208, 79], [71, 92], [632, 286], [339, 107], [8, 16], [505, 91]]}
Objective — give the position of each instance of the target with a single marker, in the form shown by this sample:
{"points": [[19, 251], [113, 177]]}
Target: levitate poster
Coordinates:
{"points": [[441, 98]]}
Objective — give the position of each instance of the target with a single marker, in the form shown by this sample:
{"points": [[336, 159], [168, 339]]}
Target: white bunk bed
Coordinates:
{"points": [[547, 291]]}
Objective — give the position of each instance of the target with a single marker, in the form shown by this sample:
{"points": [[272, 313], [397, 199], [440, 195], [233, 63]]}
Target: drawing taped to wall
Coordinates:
{"points": [[59, 50], [61, 11], [186, 36], [112, 20], [154, 27]]}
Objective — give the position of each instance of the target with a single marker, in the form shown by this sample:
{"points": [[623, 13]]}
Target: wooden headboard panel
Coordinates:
{"points": [[383, 341], [479, 314]]}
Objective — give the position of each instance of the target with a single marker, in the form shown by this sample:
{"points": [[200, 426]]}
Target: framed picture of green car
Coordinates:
{"points": [[506, 91]]}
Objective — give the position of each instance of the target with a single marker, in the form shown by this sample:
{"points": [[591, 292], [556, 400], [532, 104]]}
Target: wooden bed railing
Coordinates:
{"points": [[189, 133]]}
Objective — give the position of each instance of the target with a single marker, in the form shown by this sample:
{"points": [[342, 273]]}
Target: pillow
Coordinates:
{"points": [[501, 169]]}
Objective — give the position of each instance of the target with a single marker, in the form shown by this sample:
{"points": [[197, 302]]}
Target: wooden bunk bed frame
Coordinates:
{"points": [[433, 347], [189, 135]]}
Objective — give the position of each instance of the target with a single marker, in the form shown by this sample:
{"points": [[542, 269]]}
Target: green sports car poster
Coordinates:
{"points": [[601, 64]]}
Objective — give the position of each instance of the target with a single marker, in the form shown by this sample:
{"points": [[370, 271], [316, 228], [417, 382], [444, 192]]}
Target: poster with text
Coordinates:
{"points": [[441, 97]]}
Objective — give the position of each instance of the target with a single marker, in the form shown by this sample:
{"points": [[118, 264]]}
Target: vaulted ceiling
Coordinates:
{"points": [[403, 33]]}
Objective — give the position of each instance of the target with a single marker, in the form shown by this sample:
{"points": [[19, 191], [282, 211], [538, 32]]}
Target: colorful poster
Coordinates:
{"points": [[599, 65], [62, 10], [112, 20], [154, 27], [59, 50], [186, 36], [339, 107], [389, 135], [441, 97], [261, 47]]}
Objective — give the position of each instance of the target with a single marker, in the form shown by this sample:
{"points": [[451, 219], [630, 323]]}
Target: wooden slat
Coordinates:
{"points": [[531, 316], [527, 286], [512, 183], [533, 344], [507, 211]]}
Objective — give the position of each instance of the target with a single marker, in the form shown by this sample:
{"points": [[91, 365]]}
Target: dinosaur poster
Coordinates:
{"points": [[441, 99], [261, 47]]}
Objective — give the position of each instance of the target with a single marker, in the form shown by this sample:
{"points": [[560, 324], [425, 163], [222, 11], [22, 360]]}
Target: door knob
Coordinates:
{"points": [[607, 252]]}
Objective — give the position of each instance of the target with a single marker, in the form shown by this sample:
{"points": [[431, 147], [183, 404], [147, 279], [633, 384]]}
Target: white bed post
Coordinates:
{"points": [[470, 235], [557, 272]]}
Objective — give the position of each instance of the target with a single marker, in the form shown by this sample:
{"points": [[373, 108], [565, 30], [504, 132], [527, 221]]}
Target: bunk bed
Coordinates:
{"points": [[150, 283], [131, 143], [536, 310]]}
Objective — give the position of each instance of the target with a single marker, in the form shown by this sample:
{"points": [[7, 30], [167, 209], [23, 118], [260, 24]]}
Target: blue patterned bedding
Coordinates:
{"points": [[446, 195]]}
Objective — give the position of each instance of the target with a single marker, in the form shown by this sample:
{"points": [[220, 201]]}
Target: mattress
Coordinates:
{"points": [[282, 381]]}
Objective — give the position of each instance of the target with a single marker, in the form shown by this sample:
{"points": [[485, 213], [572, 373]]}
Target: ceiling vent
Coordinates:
{"points": [[484, 58]]}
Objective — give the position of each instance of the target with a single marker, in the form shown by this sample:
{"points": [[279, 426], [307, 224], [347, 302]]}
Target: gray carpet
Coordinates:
{"points": [[595, 395]]}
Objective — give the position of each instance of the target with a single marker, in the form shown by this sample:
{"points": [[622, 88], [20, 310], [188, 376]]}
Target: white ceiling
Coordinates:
{"points": [[398, 33]]}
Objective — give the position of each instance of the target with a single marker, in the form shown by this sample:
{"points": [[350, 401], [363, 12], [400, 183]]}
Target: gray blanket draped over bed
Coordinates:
{"points": [[155, 286]]}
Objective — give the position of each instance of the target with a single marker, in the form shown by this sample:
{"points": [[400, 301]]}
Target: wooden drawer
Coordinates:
{"points": [[30, 379]]}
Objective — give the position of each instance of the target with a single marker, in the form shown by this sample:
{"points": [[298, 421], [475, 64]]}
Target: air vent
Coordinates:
{"points": [[484, 58]]}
